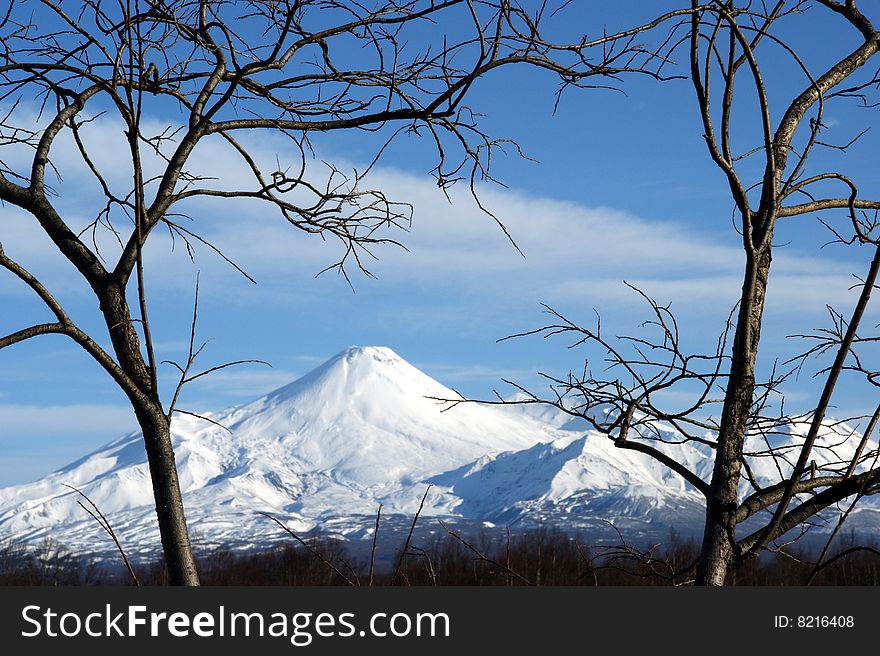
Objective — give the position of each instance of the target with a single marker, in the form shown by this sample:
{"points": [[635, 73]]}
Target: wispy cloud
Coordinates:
{"points": [[451, 373], [571, 253], [104, 421], [236, 386]]}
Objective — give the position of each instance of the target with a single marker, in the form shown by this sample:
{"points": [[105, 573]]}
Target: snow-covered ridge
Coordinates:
{"points": [[324, 451]]}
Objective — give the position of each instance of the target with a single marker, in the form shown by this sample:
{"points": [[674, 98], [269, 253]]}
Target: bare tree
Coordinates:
{"points": [[224, 72], [731, 415]]}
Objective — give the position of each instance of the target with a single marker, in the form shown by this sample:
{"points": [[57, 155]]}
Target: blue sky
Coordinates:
{"points": [[622, 190]]}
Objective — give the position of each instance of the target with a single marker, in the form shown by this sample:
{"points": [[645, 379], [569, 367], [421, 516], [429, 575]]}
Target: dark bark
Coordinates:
{"points": [[719, 548], [156, 428], [721, 504], [166, 491]]}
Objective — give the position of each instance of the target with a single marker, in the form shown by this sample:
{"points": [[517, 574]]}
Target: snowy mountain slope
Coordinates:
{"points": [[357, 431], [570, 475], [362, 429]]}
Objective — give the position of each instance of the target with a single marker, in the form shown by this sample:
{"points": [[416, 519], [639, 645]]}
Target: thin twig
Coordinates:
{"points": [[312, 551], [486, 559], [99, 517], [373, 550], [409, 537]]}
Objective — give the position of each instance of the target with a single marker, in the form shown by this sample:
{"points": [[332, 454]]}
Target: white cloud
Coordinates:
{"points": [[574, 256]]}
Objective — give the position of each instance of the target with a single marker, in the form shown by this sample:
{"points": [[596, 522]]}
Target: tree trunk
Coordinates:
{"points": [[166, 492], [720, 529], [156, 430]]}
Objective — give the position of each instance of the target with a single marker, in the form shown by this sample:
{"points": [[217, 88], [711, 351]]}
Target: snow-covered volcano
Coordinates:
{"points": [[323, 452]]}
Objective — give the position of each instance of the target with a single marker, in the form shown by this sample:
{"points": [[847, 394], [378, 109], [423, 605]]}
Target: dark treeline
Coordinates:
{"points": [[539, 557], [46, 564]]}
